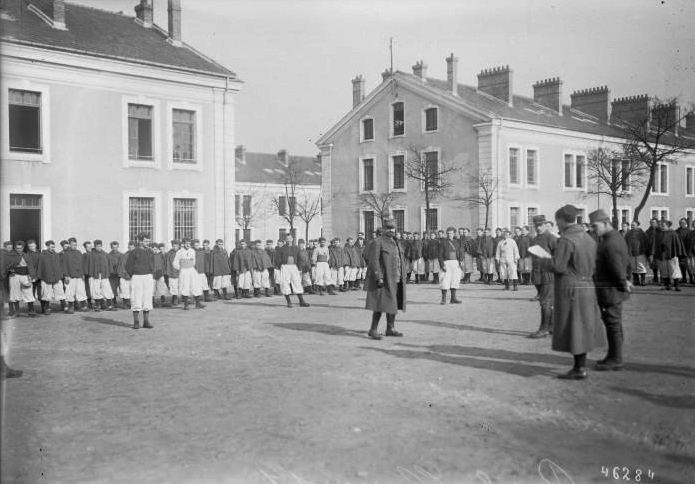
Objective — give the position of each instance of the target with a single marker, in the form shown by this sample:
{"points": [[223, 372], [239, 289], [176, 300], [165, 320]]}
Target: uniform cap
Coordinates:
{"points": [[568, 213], [599, 215]]}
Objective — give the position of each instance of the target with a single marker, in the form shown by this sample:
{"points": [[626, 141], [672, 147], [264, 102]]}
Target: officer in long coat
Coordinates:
{"points": [[612, 286], [577, 328], [385, 283]]}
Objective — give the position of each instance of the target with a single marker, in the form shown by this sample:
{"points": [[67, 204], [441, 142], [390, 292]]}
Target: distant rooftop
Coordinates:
{"points": [[271, 168]]}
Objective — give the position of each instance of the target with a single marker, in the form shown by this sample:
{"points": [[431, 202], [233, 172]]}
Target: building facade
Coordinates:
{"points": [[535, 148], [112, 126], [271, 189]]}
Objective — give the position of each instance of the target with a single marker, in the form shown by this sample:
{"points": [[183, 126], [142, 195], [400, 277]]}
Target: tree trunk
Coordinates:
{"points": [[615, 210], [487, 215], [427, 209], [647, 192], [306, 234]]}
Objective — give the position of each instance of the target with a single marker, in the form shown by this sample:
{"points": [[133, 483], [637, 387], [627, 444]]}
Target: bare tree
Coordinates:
{"points": [[486, 185], [285, 205], [615, 175], [380, 204], [434, 175], [652, 138], [308, 208], [248, 209]]}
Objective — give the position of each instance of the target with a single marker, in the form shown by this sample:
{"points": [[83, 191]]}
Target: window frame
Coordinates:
{"points": [[574, 155], [424, 119], [402, 208], [423, 220], [691, 167], [361, 174], [620, 214], [200, 209], [423, 153], [172, 164], [363, 139], [536, 166], [660, 209], [158, 211], [518, 206], [586, 212], [392, 120], [44, 121], [520, 159], [392, 171], [657, 181], [362, 224], [529, 220], [156, 161]]}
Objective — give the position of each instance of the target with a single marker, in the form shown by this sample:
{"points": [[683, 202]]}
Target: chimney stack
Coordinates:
{"points": [[666, 117], [357, 90], [240, 154], [284, 157], [386, 75], [548, 93], [174, 11], [144, 13], [497, 82], [452, 64], [690, 122], [594, 101], [420, 70], [633, 109], [56, 11]]}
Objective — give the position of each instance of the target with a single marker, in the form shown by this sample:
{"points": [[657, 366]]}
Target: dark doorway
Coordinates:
{"points": [[25, 217]]}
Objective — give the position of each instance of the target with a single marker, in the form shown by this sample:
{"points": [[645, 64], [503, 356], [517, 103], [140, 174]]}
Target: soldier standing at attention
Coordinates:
{"points": [[140, 266], [576, 325], [287, 257], [449, 266], [612, 286], [542, 278]]}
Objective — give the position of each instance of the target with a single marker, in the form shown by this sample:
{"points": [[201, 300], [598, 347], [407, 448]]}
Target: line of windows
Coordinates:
{"points": [[142, 216], [525, 168], [430, 122], [369, 219], [398, 175], [575, 171]]}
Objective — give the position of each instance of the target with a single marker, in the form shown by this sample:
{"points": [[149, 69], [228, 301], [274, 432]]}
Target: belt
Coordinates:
{"points": [[21, 271]]}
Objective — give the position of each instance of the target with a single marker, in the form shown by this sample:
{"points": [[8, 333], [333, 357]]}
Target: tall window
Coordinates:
{"points": [[367, 129], [690, 180], [568, 171], [282, 233], [514, 217], [247, 205], [398, 172], [531, 167], [514, 166], [531, 212], [292, 205], [431, 120], [432, 168], [368, 219], [185, 218], [581, 215], [25, 121], [625, 175], [237, 236], [141, 216], [139, 132], [432, 219], [399, 218], [624, 215], [398, 119], [282, 205], [580, 167], [660, 213], [368, 175], [237, 205], [661, 180], [184, 135]]}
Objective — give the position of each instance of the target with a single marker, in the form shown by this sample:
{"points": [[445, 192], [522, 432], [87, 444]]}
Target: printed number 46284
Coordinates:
{"points": [[627, 474]]}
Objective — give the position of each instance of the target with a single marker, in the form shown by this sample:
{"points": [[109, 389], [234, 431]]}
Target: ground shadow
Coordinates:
{"points": [[671, 401], [328, 329], [106, 321], [468, 327], [332, 306], [512, 367]]}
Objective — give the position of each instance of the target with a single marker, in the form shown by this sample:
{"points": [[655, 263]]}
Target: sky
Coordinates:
{"points": [[297, 57]]}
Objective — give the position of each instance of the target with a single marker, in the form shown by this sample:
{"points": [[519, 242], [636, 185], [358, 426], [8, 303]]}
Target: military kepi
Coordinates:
{"points": [[599, 215]]}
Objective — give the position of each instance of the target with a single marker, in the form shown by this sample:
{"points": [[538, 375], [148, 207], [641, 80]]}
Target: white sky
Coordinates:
{"points": [[297, 57]]}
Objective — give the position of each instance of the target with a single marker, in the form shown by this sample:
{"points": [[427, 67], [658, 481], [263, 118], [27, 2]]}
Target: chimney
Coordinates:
{"points": [[357, 90], [386, 75], [632, 109], [548, 93], [174, 22], [56, 12], [452, 74], [497, 82], [690, 122], [240, 154], [420, 70], [666, 116], [284, 157], [143, 12], [594, 101]]}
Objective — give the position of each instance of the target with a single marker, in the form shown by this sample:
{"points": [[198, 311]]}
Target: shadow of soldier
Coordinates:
{"points": [[327, 329], [468, 327], [106, 321]]}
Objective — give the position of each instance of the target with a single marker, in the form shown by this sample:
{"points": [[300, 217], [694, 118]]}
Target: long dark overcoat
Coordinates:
{"points": [[612, 269], [382, 255], [577, 326]]}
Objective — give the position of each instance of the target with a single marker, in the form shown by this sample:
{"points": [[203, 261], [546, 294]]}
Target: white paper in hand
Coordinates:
{"points": [[539, 251]]}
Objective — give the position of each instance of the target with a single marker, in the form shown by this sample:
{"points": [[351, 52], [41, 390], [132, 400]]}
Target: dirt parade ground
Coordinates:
{"points": [[252, 392]]}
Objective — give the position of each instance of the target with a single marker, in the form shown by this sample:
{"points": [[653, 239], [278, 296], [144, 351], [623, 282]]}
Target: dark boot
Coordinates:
{"points": [[198, 304], [31, 312], [488, 278], [667, 284], [578, 372], [63, 305], [114, 302], [515, 285], [443, 301], [436, 278], [136, 320], [320, 290], [236, 292], [331, 290], [247, 294], [225, 295], [217, 294], [506, 284], [174, 300], [207, 296], [71, 308], [163, 301], [146, 320], [126, 303], [542, 331], [643, 279], [7, 372], [390, 323], [289, 302], [302, 302], [675, 285], [185, 302], [655, 276], [453, 299], [373, 331], [635, 279], [256, 292], [267, 292]]}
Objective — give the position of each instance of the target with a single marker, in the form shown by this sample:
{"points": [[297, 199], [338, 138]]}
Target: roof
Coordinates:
{"points": [[101, 33], [269, 168]]}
